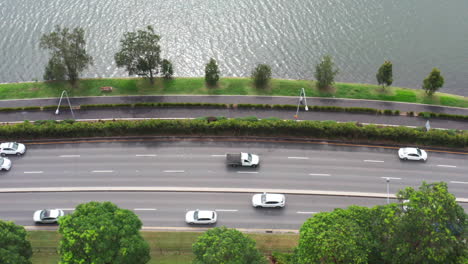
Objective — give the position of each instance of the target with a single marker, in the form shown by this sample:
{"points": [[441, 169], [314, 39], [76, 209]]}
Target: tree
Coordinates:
{"points": [[261, 75], [385, 74], [68, 50], [333, 237], [14, 248], [102, 233], [228, 246], [325, 73], [211, 73], [431, 229], [433, 82], [140, 53], [167, 69]]}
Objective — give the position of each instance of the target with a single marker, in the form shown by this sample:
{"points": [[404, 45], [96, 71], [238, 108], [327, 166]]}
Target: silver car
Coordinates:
{"points": [[268, 200], [47, 216], [201, 217], [5, 164], [12, 148]]}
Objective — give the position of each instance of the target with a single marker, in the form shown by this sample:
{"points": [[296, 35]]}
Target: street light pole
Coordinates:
{"points": [[64, 92], [388, 190], [302, 100]]}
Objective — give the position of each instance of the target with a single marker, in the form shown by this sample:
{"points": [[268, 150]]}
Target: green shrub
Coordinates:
{"points": [[387, 112], [282, 258], [396, 112], [411, 113]]}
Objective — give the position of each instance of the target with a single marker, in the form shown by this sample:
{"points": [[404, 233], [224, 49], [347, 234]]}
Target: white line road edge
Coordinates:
{"points": [[218, 155], [301, 212], [459, 182], [202, 189], [226, 210], [253, 172], [319, 174], [145, 209]]}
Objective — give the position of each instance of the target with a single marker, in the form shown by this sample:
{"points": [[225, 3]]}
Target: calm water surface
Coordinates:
{"points": [[290, 35]]}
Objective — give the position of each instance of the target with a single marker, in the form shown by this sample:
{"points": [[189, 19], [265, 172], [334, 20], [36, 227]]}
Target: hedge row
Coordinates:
{"points": [[233, 127], [442, 115], [319, 108], [26, 108]]}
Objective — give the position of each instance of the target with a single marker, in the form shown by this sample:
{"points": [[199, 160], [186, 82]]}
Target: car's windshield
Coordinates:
{"points": [[1, 161], [419, 152], [14, 146], [45, 214], [195, 215], [263, 198], [250, 157]]}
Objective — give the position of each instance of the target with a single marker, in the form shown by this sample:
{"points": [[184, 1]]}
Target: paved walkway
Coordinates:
{"points": [[404, 107], [194, 113]]}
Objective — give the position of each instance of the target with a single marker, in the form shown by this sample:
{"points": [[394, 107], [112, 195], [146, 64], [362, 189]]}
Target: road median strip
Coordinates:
{"points": [[202, 190]]}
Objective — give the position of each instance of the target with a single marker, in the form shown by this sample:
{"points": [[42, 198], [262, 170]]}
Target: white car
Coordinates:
{"points": [[5, 164], [412, 154], [201, 217], [48, 216], [268, 200], [12, 148]]}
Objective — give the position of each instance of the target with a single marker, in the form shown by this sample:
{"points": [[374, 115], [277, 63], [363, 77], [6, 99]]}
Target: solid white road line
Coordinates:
{"points": [[447, 166], [301, 212], [67, 209], [247, 172], [33, 172], [145, 155], [458, 182], [391, 178], [298, 158], [70, 156], [374, 161], [319, 174], [145, 209], [218, 155], [174, 171], [226, 210], [102, 171]]}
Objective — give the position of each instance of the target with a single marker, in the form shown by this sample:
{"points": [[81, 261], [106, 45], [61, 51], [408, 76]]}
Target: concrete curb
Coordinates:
{"points": [[202, 189]]}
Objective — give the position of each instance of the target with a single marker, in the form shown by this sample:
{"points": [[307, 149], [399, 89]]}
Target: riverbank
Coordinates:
{"points": [[165, 247], [227, 86]]}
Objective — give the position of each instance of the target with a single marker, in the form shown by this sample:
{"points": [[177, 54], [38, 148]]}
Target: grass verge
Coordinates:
{"points": [[166, 247], [227, 86]]}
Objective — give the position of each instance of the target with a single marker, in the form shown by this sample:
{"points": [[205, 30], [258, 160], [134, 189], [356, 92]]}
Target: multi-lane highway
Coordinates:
{"points": [[201, 164]]}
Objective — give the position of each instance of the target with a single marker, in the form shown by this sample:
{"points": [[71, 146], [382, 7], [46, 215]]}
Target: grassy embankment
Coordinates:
{"points": [[227, 86], [166, 247]]}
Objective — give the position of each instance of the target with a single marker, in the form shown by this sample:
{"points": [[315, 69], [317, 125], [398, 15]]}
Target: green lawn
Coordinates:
{"points": [[166, 247], [227, 86]]}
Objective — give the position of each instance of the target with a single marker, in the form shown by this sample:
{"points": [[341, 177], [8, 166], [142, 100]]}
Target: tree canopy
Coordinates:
{"points": [[385, 74], [140, 53], [428, 227], [433, 82], [227, 246], [102, 233], [261, 75], [68, 54], [211, 72], [325, 72], [167, 70], [14, 248]]}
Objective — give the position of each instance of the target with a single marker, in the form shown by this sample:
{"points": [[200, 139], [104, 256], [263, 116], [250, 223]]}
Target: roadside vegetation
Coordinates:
{"points": [[225, 86], [247, 126]]}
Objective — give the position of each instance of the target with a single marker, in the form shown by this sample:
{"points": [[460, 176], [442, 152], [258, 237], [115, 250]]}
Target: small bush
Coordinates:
{"points": [[411, 113], [388, 112]]}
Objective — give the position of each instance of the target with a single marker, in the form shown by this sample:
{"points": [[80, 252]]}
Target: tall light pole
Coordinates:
{"points": [[302, 100], [64, 92], [388, 189]]}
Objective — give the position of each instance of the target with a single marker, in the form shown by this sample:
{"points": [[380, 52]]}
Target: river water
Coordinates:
{"points": [[289, 35]]}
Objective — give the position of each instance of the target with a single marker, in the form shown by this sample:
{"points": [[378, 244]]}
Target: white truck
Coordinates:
{"points": [[242, 159]]}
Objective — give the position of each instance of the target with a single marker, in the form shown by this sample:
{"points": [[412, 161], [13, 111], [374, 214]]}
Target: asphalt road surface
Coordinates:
{"points": [[202, 164]]}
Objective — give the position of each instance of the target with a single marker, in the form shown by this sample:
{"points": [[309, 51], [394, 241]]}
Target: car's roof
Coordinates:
{"points": [[205, 214], [410, 150], [6, 145], [50, 213], [274, 197]]}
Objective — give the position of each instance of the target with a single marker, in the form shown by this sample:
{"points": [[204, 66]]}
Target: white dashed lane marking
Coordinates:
{"points": [[391, 178], [218, 155], [447, 166], [30, 172], [145, 155], [102, 171], [253, 172], [304, 158], [70, 156], [374, 161], [226, 210], [459, 182], [302, 212], [145, 209], [174, 171], [319, 174]]}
